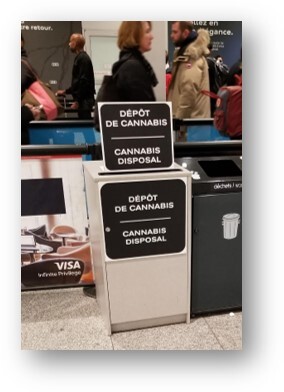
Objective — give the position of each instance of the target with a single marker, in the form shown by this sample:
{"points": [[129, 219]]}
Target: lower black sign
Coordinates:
{"points": [[144, 218]]}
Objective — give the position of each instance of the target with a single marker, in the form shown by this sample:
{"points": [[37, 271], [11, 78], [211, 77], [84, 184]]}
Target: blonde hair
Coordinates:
{"points": [[130, 34]]}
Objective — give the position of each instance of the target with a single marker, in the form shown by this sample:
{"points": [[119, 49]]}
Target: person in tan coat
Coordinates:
{"points": [[190, 72]]}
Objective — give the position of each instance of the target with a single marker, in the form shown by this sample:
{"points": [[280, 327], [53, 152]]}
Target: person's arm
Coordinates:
{"points": [[61, 93], [27, 77], [30, 112], [189, 87]]}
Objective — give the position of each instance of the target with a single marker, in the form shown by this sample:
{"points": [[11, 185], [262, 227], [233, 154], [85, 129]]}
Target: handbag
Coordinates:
{"points": [[108, 92], [38, 94]]}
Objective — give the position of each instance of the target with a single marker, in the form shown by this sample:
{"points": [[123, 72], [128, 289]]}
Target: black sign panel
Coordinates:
{"points": [[42, 196], [144, 218], [53, 272], [136, 135]]}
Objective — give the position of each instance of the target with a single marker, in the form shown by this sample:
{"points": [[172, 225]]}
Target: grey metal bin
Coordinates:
{"points": [[141, 245], [216, 275]]}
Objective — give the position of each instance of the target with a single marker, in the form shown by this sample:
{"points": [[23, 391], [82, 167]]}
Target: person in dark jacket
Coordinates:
{"points": [[134, 75], [214, 78], [28, 112], [236, 69], [83, 80], [27, 77]]}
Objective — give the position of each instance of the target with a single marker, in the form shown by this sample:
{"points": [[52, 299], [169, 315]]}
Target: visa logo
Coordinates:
{"points": [[68, 265]]}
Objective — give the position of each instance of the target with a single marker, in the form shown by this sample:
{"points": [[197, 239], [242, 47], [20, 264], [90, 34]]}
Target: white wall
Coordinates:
{"points": [[156, 56]]}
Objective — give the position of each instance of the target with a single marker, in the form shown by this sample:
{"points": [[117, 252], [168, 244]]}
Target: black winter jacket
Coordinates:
{"points": [[134, 76], [27, 77], [83, 80]]}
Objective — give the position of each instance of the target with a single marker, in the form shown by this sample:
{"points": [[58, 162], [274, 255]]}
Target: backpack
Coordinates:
{"points": [[108, 92], [214, 75], [223, 72], [228, 111]]}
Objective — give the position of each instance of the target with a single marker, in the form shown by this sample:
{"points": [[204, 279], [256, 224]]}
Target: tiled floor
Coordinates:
{"points": [[66, 319]]}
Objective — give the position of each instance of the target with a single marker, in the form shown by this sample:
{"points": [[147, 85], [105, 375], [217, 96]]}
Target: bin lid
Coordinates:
{"points": [[231, 217], [212, 175]]}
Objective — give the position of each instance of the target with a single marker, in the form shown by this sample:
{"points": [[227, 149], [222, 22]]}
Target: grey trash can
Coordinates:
{"points": [[216, 275]]}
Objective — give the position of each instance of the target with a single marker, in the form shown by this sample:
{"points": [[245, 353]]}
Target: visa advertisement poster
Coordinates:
{"points": [[55, 246]]}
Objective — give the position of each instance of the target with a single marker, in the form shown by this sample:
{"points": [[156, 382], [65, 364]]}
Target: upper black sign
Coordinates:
{"points": [[144, 218], [136, 135]]}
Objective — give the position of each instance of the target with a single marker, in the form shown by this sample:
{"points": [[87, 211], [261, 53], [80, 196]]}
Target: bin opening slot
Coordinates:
{"points": [[220, 168], [139, 171]]}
